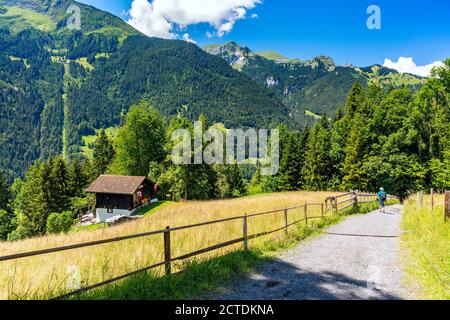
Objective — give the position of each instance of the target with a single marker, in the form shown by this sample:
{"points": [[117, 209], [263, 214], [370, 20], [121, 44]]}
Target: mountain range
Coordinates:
{"points": [[58, 84], [311, 87]]}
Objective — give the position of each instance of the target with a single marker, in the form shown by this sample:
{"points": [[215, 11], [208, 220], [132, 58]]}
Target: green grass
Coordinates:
{"points": [[211, 46], [88, 148], [426, 241], [85, 64], [313, 115], [271, 55], [154, 207], [91, 227], [202, 276], [20, 19]]}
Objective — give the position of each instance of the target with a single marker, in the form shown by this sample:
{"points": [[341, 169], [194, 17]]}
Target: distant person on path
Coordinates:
{"points": [[382, 198]]}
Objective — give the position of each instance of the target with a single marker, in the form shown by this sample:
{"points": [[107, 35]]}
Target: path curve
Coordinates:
{"points": [[356, 259]]}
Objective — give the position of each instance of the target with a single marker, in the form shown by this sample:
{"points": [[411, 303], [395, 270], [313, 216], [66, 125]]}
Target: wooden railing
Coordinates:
{"points": [[331, 205]]}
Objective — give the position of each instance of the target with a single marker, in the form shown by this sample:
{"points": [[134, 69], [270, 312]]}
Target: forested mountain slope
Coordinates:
{"points": [[317, 85], [59, 84]]}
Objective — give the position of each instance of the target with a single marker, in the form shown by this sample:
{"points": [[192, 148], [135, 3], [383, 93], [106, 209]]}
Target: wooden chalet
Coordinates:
{"points": [[121, 195]]}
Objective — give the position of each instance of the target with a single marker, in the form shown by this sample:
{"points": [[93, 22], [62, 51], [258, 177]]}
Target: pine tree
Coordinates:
{"points": [[354, 99], [291, 162], [354, 175], [59, 188], [103, 153], [317, 165], [5, 195], [79, 177]]}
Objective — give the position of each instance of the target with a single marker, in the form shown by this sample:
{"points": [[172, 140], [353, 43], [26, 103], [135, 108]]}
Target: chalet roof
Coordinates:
{"points": [[116, 184]]}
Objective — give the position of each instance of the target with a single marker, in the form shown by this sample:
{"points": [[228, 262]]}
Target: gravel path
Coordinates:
{"points": [[357, 259]]}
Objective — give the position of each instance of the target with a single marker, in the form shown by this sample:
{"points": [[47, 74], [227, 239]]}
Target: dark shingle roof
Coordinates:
{"points": [[116, 184]]}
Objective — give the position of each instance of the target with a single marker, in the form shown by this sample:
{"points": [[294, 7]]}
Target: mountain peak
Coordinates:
{"points": [[322, 62], [51, 15], [236, 55]]}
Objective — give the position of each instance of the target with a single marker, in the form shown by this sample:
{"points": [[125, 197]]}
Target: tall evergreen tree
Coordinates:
{"points": [[103, 153], [79, 176], [355, 99], [317, 165], [5, 195], [355, 151], [291, 162], [60, 186]]}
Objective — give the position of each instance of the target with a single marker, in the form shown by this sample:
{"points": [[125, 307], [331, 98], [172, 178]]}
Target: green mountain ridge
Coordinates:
{"points": [[315, 86], [59, 84]]}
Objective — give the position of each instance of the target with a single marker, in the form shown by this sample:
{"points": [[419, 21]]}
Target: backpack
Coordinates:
{"points": [[384, 197]]}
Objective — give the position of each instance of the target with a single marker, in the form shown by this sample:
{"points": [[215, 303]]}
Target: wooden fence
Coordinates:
{"points": [[447, 206], [331, 205], [420, 201]]}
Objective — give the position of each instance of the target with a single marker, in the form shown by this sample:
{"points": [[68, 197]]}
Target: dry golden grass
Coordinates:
{"points": [[49, 275]]}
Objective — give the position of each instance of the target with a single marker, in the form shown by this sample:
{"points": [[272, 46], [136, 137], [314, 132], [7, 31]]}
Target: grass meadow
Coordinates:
{"points": [[50, 275], [426, 240]]}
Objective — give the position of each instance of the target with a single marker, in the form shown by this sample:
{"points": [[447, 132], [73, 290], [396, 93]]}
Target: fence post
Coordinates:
{"points": [[432, 199], [245, 232], [356, 199], [286, 220], [306, 213], [335, 205], [322, 210], [447, 206], [167, 254], [419, 199]]}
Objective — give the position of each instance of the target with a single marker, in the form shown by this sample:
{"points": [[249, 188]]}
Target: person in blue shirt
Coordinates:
{"points": [[382, 197]]}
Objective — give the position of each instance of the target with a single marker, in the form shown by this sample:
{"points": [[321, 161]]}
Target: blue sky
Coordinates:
{"points": [[306, 28]]}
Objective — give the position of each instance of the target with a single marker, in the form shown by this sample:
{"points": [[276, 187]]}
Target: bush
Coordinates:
{"points": [[59, 222], [7, 224], [20, 233]]}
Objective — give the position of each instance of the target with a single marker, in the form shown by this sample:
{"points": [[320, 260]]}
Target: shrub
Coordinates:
{"points": [[20, 233], [7, 224], [59, 222]]}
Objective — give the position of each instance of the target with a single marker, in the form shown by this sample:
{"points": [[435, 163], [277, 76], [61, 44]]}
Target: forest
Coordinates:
{"points": [[397, 138]]}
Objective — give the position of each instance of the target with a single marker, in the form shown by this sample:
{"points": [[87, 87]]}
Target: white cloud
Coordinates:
{"points": [[187, 37], [254, 16], [407, 65], [161, 18]]}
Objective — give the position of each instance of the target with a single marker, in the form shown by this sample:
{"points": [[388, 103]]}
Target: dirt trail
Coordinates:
{"points": [[357, 259]]}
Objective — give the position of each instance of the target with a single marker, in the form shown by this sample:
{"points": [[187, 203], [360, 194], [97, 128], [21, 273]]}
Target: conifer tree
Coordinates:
{"points": [[316, 169], [103, 153], [5, 195], [354, 175], [59, 188], [354, 99]]}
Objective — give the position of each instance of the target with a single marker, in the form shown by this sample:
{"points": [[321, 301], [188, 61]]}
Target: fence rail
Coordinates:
{"points": [[331, 204]]}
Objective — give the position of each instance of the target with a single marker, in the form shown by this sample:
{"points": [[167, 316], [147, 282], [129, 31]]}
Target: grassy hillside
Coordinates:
{"points": [[43, 277], [271, 55], [19, 19], [426, 240]]}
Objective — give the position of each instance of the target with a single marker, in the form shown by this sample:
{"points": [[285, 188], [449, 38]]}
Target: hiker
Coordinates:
{"points": [[382, 197]]}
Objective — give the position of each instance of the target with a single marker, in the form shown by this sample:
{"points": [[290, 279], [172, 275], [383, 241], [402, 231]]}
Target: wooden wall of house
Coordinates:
{"points": [[114, 201]]}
